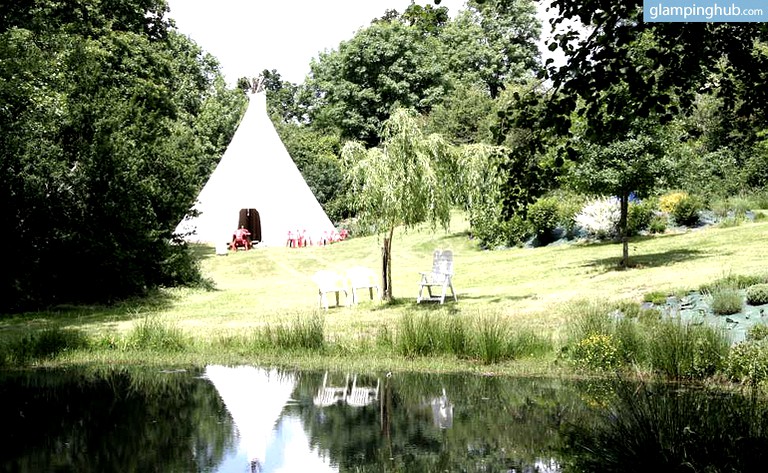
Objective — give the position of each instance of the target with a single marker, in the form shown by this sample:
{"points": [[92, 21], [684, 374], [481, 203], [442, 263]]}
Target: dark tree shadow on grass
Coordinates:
{"points": [[651, 260], [75, 316], [201, 252], [439, 242], [495, 298]]}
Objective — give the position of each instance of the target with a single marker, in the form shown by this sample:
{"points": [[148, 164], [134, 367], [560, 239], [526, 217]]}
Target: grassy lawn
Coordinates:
{"points": [[530, 288]]}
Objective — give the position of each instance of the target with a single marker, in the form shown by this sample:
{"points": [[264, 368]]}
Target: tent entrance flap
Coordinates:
{"points": [[250, 219]]}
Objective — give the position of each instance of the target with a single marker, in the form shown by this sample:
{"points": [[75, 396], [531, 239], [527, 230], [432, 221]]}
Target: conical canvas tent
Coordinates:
{"points": [[256, 185]]}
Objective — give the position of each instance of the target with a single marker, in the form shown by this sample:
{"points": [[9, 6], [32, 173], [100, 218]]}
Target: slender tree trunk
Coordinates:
{"points": [[386, 266], [624, 200]]}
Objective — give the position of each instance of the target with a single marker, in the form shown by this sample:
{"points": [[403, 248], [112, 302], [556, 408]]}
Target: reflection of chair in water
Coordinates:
{"points": [[330, 395], [442, 411], [362, 395]]}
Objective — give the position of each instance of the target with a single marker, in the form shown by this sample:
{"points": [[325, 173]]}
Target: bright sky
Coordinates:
{"points": [[248, 36]]}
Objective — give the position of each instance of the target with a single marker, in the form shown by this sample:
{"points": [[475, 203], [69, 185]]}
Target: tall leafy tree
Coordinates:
{"points": [[402, 182], [100, 156], [634, 164], [491, 43], [602, 41], [389, 64]]}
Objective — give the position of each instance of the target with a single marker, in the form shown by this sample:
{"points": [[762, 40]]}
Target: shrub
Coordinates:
{"points": [[668, 202], [658, 224], [730, 222], [757, 332], [568, 207], [543, 217], [656, 297], [600, 217], [686, 211], [748, 362], [759, 200], [597, 351], [757, 294], [733, 207], [492, 233], [639, 216], [726, 301]]}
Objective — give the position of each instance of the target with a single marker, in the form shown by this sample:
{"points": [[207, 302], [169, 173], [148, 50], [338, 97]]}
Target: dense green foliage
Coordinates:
{"points": [[757, 294], [102, 151]]}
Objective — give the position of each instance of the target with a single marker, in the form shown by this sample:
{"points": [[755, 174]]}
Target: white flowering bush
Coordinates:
{"points": [[600, 217]]}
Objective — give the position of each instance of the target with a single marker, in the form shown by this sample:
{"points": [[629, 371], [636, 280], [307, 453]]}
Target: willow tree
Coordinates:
{"points": [[405, 181]]}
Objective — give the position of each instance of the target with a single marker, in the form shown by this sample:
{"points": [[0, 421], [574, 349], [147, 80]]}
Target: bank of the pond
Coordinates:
{"points": [[520, 311]]}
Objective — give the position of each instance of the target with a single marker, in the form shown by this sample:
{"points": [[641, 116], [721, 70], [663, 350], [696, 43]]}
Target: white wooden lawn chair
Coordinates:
{"points": [[361, 277], [441, 277], [330, 281]]}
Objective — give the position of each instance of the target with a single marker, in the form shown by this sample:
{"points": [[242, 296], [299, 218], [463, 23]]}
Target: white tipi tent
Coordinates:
{"points": [[257, 185]]}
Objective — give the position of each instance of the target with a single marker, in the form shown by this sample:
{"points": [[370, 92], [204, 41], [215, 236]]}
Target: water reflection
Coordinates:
{"points": [[268, 442], [240, 419]]}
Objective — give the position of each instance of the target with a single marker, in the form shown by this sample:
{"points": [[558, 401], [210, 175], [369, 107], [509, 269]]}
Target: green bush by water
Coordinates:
{"points": [[757, 294], [302, 333], [748, 362], [682, 351], [598, 340], [726, 301]]}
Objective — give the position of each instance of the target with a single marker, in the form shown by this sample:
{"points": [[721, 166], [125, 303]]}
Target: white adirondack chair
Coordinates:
{"points": [[361, 277], [440, 277], [330, 282]]}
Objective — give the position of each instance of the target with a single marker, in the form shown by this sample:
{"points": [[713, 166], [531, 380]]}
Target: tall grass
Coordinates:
{"points": [[45, 344], [488, 338], [153, 333], [302, 333], [666, 346], [733, 281], [684, 351]]}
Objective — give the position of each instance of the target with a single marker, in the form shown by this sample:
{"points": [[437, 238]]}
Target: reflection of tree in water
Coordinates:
{"points": [[497, 423], [671, 428], [116, 420]]}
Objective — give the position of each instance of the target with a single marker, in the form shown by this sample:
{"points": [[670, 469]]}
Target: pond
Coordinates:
{"points": [[252, 419]]}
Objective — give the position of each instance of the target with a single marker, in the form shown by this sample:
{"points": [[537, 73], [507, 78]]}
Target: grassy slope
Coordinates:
{"points": [[531, 286], [534, 288]]}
